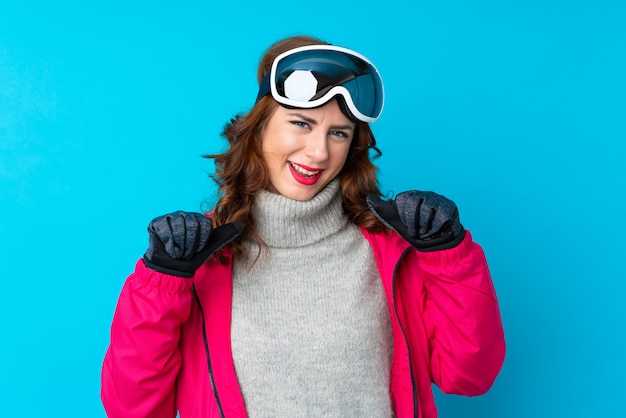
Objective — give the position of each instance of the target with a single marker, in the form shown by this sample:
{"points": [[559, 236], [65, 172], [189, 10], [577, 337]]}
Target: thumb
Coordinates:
{"points": [[221, 236], [387, 213]]}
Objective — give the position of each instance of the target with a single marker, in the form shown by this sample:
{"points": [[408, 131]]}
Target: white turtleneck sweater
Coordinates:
{"points": [[311, 333]]}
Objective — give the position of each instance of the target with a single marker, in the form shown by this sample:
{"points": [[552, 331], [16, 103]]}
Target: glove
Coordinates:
{"points": [[428, 221], [180, 242]]}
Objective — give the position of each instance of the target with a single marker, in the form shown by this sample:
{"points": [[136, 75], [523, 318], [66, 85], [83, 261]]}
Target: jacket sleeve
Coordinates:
{"points": [[143, 359], [462, 319]]}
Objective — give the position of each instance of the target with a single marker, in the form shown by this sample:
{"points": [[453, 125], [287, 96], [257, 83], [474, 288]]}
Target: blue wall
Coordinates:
{"points": [[514, 109]]}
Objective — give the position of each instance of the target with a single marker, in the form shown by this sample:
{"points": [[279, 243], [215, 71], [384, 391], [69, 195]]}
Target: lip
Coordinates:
{"points": [[307, 181]]}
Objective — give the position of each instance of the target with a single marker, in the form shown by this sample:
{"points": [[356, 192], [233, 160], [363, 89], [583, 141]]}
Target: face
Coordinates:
{"points": [[304, 149]]}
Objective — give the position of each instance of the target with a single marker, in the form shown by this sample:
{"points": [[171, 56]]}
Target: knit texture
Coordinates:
{"points": [[311, 333]]}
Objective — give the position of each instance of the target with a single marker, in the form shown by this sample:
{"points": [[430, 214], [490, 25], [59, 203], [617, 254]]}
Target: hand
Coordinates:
{"points": [[180, 242], [428, 221]]}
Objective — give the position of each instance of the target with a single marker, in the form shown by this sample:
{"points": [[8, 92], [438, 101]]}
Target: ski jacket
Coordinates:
{"points": [[170, 337]]}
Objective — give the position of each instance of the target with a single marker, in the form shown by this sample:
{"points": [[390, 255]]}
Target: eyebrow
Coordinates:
{"points": [[312, 121]]}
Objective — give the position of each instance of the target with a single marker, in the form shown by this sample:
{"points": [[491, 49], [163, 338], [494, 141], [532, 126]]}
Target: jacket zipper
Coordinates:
{"points": [[406, 341], [208, 357]]}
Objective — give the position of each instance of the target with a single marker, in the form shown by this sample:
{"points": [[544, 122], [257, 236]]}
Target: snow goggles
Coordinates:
{"points": [[310, 76]]}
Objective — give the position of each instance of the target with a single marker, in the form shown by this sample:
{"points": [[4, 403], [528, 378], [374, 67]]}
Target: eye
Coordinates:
{"points": [[300, 123], [340, 134]]}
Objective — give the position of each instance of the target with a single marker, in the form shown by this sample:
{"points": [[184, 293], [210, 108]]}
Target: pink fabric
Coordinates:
{"points": [[444, 301], [459, 343]]}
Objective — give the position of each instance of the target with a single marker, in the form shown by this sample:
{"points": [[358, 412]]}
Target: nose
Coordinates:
{"points": [[317, 146]]}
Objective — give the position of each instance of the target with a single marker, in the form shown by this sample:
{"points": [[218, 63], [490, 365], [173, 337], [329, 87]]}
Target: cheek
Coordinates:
{"points": [[340, 155], [278, 145], [271, 158], [270, 148]]}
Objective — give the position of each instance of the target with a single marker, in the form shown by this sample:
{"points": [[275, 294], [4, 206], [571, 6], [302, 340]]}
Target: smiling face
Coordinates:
{"points": [[304, 149]]}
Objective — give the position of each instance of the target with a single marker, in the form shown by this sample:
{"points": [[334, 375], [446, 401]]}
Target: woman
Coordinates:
{"points": [[304, 294]]}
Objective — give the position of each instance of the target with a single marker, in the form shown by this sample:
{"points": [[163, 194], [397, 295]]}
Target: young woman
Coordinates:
{"points": [[304, 294]]}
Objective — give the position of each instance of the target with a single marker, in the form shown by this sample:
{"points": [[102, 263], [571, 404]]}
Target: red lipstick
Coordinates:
{"points": [[302, 178]]}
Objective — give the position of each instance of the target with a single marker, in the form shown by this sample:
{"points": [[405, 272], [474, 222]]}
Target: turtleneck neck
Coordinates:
{"points": [[286, 223]]}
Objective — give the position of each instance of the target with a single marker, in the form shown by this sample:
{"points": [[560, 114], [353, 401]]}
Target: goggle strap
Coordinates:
{"points": [[264, 86]]}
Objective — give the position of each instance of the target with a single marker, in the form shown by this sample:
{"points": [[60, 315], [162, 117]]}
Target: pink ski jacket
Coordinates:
{"points": [[170, 338]]}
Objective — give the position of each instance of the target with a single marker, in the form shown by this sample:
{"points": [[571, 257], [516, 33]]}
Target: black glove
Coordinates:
{"points": [[180, 242], [428, 221]]}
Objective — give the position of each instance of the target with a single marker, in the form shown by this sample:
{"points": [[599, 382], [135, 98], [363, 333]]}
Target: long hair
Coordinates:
{"points": [[241, 171]]}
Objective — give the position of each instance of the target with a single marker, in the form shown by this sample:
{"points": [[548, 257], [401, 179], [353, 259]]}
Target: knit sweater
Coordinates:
{"points": [[311, 333]]}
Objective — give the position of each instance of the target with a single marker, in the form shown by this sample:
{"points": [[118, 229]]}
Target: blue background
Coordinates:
{"points": [[516, 110]]}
